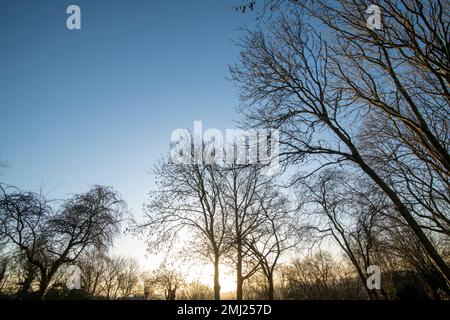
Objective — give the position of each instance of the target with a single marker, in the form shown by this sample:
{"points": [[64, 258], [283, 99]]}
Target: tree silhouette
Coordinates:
{"points": [[50, 239]]}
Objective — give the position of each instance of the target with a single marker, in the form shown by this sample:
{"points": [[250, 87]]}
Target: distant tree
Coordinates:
{"points": [[245, 6], [128, 279], [168, 280], [197, 291], [222, 207], [317, 276], [120, 277], [27, 275], [93, 267], [149, 286]]}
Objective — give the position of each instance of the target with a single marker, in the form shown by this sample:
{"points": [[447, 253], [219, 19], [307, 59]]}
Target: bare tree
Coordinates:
{"points": [[416, 182], [149, 286], [93, 267], [244, 187], [197, 291], [318, 276], [48, 238], [405, 254], [119, 278], [348, 210], [169, 280], [292, 79], [3, 274], [27, 275], [278, 234], [414, 35], [129, 278], [189, 198], [110, 282]]}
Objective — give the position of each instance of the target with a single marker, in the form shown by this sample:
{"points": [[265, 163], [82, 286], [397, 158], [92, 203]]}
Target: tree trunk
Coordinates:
{"points": [[216, 278], [270, 292], [45, 280], [43, 284], [171, 294], [239, 280], [26, 283]]}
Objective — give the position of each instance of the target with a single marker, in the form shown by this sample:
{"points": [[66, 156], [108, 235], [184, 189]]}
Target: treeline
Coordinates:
{"points": [[40, 243]]}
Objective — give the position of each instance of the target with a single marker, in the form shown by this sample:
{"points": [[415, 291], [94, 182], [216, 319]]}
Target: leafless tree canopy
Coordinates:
{"points": [[49, 238], [363, 113], [374, 102]]}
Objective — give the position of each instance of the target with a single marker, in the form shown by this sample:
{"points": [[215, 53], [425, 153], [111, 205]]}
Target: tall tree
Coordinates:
{"points": [[317, 82], [244, 186], [278, 233], [189, 198]]}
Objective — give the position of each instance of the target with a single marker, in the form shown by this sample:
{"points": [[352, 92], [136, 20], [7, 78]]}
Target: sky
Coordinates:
{"points": [[98, 105]]}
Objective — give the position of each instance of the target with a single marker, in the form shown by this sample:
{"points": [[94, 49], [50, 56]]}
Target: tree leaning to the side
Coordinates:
{"points": [[333, 85]]}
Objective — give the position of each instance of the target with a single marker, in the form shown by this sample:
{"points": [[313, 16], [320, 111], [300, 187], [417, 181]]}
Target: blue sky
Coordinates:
{"points": [[98, 105]]}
